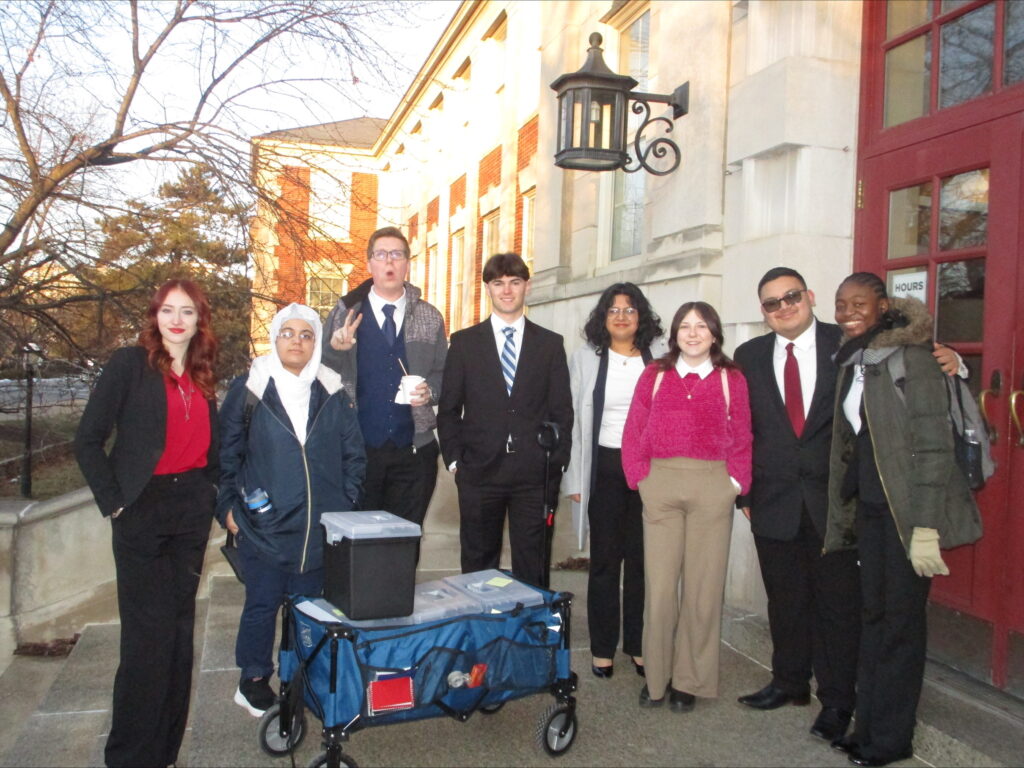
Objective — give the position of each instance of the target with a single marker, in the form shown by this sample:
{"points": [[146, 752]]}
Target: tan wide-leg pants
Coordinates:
{"points": [[688, 508]]}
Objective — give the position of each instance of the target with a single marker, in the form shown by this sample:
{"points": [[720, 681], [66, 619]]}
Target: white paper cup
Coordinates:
{"points": [[407, 389]]}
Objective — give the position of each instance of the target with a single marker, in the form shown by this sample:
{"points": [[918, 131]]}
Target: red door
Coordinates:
{"points": [[940, 217]]}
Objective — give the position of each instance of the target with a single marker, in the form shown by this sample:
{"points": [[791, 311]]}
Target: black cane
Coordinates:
{"points": [[548, 438]]}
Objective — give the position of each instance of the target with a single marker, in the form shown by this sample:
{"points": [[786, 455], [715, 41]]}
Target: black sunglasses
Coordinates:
{"points": [[789, 298]]}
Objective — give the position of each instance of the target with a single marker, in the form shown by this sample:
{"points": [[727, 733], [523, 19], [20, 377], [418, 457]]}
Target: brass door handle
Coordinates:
{"points": [[993, 433], [1015, 415]]}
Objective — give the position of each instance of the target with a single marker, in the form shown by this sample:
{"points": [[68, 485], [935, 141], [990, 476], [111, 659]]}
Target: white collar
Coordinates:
{"points": [[805, 342], [377, 302], [498, 324], [703, 370]]}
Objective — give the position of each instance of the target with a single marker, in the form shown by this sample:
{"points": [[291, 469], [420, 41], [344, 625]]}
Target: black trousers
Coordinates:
{"points": [[893, 640], [482, 510], [616, 551], [159, 543], [401, 480], [814, 615]]}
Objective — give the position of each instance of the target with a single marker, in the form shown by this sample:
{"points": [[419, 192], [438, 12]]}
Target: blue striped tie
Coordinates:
{"points": [[508, 359]]}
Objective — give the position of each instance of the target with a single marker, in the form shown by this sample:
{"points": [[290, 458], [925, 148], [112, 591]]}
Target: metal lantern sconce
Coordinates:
{"points": [[592, 134]]}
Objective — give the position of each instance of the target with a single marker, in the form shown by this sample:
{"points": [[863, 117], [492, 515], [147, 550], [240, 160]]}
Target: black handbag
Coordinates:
{"points": [[233, 556]]}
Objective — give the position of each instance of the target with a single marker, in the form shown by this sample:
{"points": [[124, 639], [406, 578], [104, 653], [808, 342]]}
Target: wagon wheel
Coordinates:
{"points": [[492, 709], [268, 733], [322, 761], [556, 729]]}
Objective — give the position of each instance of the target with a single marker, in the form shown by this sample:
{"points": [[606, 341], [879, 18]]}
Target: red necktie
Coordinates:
{"points": [[794, 395]]}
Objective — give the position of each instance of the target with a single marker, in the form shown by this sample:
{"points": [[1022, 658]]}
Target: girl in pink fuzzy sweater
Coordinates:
{"points": [[687, 447]]}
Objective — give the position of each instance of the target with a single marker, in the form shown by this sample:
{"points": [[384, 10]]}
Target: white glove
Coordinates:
{"points": [[924, 553]]}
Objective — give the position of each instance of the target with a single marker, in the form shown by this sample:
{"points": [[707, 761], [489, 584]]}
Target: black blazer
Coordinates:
{"points": [[131, 396], [788, 472], [476, 415]]}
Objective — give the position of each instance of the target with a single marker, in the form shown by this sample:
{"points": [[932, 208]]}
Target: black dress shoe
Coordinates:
{"points": [[831, 724], [845, 744], [771, 697], [638, 667], [604, 672], [858, 759], [647, 702], [680, 701]]}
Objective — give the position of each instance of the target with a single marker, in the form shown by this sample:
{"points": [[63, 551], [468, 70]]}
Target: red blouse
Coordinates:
{"points": [[188, 427]]}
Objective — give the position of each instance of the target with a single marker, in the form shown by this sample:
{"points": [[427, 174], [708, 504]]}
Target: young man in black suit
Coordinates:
{"points": [[503, 378], [814, 601]]}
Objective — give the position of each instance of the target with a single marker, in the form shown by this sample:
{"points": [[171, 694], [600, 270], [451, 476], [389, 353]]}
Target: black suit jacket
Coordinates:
{"points": [[131, 396], [476, 415], [789, 472]]}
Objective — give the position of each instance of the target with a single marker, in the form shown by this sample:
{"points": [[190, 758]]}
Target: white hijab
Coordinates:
{"points": [[294, 390]]}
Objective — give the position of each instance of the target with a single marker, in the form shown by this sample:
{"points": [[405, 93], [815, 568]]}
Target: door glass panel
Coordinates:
{"points": [[959, 300], [910, 219], [963, 210], [952, 5], [901, 15], [966, 57], [1013, 49], [908, 80]]}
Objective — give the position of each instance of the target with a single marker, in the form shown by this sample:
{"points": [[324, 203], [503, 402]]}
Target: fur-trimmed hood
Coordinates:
{"points": [[910, 324], [918, 328]]}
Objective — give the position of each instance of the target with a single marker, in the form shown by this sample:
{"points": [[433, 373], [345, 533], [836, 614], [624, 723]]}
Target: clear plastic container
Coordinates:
{"points": [[498, 592]]}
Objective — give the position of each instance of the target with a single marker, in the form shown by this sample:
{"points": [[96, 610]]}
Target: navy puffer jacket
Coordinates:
{"points": [[303, 481]]}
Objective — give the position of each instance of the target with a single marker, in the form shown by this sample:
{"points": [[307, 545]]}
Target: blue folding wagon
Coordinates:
{"points": [[474, 641]]}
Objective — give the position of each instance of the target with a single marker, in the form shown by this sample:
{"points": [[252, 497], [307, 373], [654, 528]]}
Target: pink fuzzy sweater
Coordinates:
{"points": [[696, 428]]}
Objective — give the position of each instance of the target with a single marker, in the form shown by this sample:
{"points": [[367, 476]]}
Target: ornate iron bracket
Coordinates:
{"points": [[661, 146]]}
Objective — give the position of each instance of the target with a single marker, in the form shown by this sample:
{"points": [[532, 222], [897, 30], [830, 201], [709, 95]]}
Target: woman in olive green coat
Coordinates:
{"points": [[895, 493]]}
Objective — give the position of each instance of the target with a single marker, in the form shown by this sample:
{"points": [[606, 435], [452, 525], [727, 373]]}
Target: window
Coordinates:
{"points": [[941, 53], [438, 279], [489, 247], [329, 205], [458, 277], [630, 188], [529, 216], [326, 282]]}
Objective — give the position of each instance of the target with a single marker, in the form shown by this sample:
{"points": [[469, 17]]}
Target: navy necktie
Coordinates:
{"points": [[390, 329]]}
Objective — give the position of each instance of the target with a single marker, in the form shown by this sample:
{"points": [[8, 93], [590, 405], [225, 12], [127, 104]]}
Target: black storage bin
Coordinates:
{"points": [[370, 563]]}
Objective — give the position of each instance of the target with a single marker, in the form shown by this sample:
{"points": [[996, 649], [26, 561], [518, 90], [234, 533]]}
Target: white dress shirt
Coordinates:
{"points": [[805, 350], [517, 338], [377, 306]]}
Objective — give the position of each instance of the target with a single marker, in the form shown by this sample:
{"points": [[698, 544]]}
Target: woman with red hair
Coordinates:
{"points": [[157, 487]]}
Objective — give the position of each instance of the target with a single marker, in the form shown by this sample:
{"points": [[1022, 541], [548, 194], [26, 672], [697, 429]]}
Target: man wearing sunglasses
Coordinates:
{"points": [[372, 337], [813, 600]]}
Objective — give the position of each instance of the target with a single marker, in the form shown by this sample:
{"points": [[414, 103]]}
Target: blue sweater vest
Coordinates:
{"points": [[378, 375]]}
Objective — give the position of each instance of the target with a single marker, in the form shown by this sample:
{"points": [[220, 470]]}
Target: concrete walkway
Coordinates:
{"points": [[55, 712]]}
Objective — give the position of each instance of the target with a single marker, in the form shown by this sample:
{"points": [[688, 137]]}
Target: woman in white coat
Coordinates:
{"points": [[603, 374]]}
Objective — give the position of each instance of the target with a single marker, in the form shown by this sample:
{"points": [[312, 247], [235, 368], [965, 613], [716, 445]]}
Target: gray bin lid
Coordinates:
{"points": [[366, 525]]}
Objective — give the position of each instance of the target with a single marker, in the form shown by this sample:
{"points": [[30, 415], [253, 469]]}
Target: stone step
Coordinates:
{"points": [[69, 725], [22, 687]]}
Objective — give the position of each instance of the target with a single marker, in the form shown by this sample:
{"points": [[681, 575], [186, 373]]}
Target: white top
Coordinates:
{"points": [[499, 335], [703, 370], [619, 385], [377, 306], [851, 403], [805, 350]]}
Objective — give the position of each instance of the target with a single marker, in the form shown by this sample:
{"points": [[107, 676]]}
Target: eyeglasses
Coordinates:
{"points": [[389, 255], [789, 298], [616, 311], [289, 333]]}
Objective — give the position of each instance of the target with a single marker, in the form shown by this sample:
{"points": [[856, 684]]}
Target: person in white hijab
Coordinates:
{"points": [[291, 449]]}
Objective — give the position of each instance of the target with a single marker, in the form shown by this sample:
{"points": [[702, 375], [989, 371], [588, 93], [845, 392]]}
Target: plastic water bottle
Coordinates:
{"points": [[258, 502], [972, 459]]}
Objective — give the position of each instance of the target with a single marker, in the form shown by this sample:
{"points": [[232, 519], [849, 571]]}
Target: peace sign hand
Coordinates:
{"points": [[344, 338]]}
